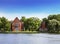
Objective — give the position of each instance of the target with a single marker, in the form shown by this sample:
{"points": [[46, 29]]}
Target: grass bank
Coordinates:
{"points": [[20, 32]]}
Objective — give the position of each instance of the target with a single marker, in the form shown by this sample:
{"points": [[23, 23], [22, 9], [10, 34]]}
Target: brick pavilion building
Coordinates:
{"points": [[17, 25]]}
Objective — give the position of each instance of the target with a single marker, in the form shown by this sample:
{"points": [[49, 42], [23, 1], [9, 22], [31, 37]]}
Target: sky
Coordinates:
{"points": [[28, 8]]}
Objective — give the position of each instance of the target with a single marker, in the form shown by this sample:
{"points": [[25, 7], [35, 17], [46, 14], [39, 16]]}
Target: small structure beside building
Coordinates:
{"points": [[17, 25], [43, 26]]}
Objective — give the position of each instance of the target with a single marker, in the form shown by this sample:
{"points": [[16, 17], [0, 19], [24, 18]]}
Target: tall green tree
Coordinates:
{"points": [[53, 25], [32, 24], [4, 24]]}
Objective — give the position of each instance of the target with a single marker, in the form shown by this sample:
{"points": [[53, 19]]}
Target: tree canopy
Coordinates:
{"points": [[4, 24], [32, 24]]}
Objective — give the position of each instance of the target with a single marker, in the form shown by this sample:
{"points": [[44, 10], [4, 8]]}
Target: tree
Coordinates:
{"points": [[4, 24], [53, 25], [50, 17], [0, 24], [57, 17], [32, 24], [8, 26], [23, 19]]}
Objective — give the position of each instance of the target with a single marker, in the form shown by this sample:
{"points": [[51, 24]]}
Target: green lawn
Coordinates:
{"points": [[18, 32]]}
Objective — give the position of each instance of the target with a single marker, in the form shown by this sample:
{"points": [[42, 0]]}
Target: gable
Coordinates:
{"points": [[16, 20]]}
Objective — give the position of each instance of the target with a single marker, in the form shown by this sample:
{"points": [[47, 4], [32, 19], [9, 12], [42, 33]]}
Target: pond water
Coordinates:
{"points": [[30, 38]]}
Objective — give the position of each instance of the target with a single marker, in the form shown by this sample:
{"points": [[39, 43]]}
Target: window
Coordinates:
{"points": [[16, 25]]}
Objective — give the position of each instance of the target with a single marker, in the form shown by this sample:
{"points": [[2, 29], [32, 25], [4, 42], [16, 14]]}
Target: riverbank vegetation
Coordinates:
{"points": [[18, 32], [53, 23], [33, 24]]}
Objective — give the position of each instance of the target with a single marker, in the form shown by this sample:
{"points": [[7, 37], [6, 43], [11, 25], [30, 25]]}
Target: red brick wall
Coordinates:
{"points": [[43, 25]]}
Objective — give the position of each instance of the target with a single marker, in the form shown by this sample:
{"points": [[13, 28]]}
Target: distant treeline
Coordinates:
{"points": [[33, 23]]}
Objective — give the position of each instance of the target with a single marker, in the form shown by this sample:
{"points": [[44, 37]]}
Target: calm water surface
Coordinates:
{"points": [[29, 38]]}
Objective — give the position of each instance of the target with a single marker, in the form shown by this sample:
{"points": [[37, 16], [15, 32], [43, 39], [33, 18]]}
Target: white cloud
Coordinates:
{"points": [[11, 16]]}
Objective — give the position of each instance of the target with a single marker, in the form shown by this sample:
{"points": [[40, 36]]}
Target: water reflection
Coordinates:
{"points": [[29, 39]]}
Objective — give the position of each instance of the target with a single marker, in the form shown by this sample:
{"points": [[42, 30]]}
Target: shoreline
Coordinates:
{"points": [[21, 32], [27, 32]]}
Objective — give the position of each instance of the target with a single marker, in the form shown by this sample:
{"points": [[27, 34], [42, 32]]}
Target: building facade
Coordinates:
{"points": [[17, 25], [43, 26]]}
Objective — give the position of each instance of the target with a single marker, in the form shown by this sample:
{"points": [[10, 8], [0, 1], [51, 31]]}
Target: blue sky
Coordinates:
{"points": [[28, 8]]}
